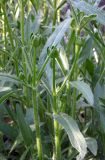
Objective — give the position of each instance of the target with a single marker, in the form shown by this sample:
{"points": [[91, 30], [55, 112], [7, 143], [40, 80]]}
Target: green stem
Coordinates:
{"points": [[56, 125], [58, 12], [8, 26], [36, 117], [29, 7], [74, 91], [4, 36], [55, 13], [25, 89], [44, 7], [3, 30], [22, 21]]}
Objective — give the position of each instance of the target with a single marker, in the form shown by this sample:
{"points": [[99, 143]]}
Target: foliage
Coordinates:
{"points": [[52, 103]]}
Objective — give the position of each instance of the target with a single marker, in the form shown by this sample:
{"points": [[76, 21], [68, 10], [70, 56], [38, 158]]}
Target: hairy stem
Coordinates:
{"points": [[74, 91], [36, 115], [56, 125]]}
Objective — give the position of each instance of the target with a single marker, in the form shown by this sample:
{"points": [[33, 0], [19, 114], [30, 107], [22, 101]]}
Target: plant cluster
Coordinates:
{"points": [[52, 90]]}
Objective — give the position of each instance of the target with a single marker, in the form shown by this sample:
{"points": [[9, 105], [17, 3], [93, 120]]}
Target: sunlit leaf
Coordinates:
{"points": [[54, 39], [85, 89], [92, 145], [75, 136]]}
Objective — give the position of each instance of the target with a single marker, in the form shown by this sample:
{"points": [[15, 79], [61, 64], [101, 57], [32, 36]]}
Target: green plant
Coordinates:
{"points": [[52, 78]]}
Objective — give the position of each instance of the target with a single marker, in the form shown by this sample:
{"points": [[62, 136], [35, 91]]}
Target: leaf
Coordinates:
{"points": [[54, 39], [9, 78], [32, 26], [90, 9], [24, 128], [29, 116], [4, 89], [75, 136], [90, 67], [46, 85], [85, 90], [86, 19], [49, 75], [101, 114], [17, 142], [62, 60], [35, 3], [61, 4], [44, 66], [86, 50], [99, 91], [5, 97], [27, 61], [5, 77], [92, 145], [8, 130], [23, 156], [102, 100]]}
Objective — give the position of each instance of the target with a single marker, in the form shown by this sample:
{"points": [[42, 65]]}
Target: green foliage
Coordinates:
{"points": [[52, 67]]}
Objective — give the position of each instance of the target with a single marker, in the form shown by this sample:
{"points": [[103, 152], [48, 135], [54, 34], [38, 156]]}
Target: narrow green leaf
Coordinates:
{"points": [[4, 89], [17, 142], [5, 97], [85, 89], [24, 128], [62, 60], [86, 50], [8, 130], [5, 77], [86, 19], [23, 157], [61, 4], [92, 145], [54, 39], [35, 3], [9, 78]]}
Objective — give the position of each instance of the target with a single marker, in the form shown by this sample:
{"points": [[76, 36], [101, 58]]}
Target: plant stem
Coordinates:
{"points": [[55, 13], [3, 31], [75, 78], [58, 12], [3, 35], [44, 7], [8, 26], [56, 125], [74, 91], [36, 117], [29, 7], [25, 89], [22, 21]]}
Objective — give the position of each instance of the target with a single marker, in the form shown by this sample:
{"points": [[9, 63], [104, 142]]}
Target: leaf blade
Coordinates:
{"points": [[85, 89], [75, 136]]}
